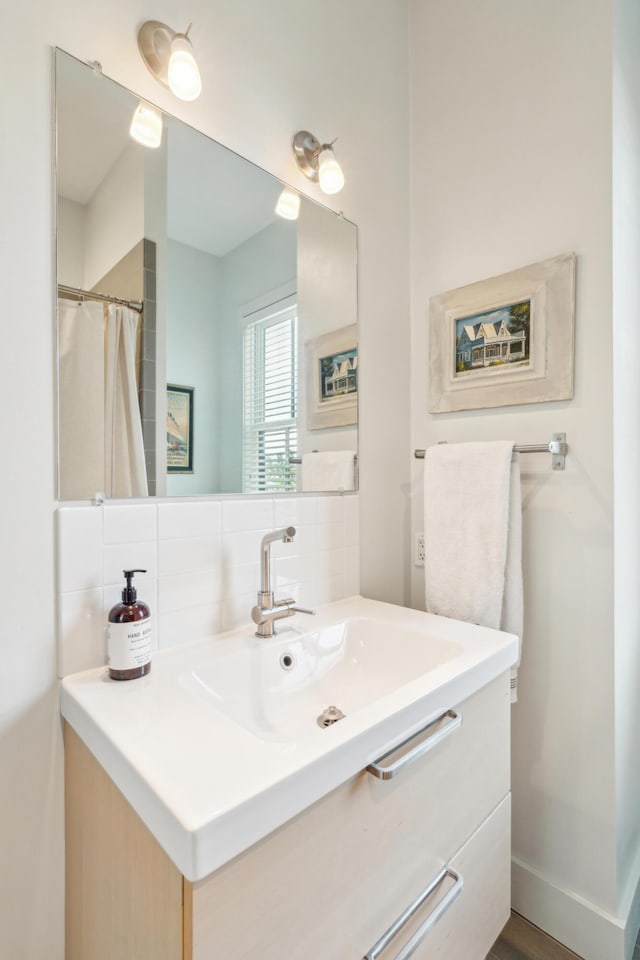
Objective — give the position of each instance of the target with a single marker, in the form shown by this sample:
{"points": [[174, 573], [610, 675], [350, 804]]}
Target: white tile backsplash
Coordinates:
{"points": [[202, 559], [247, 515], [190, 555], [129, 524], [197, 518], [129, 556]]}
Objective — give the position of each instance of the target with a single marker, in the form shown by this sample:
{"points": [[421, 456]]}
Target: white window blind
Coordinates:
{"points": [[270, 400]]}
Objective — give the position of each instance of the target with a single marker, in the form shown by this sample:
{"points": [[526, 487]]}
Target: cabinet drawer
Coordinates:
{"points": [[465, 923], [330, 881]]}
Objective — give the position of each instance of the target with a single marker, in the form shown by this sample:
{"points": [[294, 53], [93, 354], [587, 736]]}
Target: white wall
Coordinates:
{"points": [[626, 297], [511, 163], [248, 57], [71, 229], [193, 357], [115, 215]]}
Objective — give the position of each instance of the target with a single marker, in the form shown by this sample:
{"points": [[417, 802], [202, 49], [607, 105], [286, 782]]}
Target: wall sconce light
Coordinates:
{"points": [[318, 162], [146, 125], [288, 205], [169, 57]]}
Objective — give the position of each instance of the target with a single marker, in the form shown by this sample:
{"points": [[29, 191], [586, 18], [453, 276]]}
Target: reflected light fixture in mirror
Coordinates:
{"points": [[146, 125], [169, 57], [318, 162], [288, 205]]}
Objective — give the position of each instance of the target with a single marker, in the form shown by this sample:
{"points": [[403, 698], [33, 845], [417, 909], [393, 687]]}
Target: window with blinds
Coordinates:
{"points": [[270, 401]]}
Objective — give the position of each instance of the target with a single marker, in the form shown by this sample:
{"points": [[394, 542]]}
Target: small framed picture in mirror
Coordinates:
{"points": [[332, 378], [179, 429]]}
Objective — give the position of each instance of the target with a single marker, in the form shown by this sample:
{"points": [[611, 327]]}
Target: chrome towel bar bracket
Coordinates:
{"points": [[557, 447]]}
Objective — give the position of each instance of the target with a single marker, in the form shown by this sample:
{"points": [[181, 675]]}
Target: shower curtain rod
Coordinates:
{"points": [[89, 295]]}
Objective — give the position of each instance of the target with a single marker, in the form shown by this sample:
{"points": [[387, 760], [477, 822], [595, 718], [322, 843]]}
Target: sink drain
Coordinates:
{"points": [[330, 716]]}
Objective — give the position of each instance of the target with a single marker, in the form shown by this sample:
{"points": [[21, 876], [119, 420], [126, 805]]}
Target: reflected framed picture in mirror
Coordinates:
{"points": [[179, 429], [332, 376]]}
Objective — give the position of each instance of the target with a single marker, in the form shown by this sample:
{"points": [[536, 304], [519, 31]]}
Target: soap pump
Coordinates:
{"points": [[129, 634]]}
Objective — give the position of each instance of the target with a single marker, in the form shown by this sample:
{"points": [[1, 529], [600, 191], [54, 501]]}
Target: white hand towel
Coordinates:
{"points": [[473, 523], [328, 470]]}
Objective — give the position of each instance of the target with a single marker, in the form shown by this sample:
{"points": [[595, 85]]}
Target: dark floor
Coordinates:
{"points": [[520, 940]]}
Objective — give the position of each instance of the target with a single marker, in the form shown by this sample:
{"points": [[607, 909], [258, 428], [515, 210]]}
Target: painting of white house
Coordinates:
{"points": [[493, 338], [339, 374]]}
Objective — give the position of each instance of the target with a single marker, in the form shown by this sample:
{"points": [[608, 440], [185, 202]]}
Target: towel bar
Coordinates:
{"points": [[557, 447]]}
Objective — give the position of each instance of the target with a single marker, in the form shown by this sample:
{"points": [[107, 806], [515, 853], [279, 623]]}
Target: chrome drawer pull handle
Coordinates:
{"points": [[416, 939], [448, 722]]}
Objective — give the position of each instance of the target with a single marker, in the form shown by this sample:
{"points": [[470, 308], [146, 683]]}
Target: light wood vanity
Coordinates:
{"points": [[325, 885]]}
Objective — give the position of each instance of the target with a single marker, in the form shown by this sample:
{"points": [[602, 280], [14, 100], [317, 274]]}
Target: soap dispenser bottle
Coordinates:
{"points": [[129, 635]]}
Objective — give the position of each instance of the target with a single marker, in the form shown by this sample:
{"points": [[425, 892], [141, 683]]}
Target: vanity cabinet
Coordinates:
{"points": [[326, 885]]}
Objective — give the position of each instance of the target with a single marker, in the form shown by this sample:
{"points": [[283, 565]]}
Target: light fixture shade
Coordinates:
{"points": [[183, 75], [146, 125], [169, 58], [330, 172], [288, 205]]}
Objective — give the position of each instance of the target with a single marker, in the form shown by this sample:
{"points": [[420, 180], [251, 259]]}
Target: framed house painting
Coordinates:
{"points": [[504, 341], [332, 379], [179, 429]]}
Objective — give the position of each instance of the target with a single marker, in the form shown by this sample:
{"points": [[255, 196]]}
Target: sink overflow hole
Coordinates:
{"points": [[287, 662], [330, 716]]}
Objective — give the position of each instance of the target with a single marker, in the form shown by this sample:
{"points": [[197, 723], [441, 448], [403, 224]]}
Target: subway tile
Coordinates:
{"points": [[288, 570], [189, 519], [330, 563], [330, 588], [240, 578], [185, 626], [141, 555], [295, 511], [187, 555], [236, 612], [352, 571], [81, 631], [331, 509], [331, 536], [129, 524], [79, 548], [304, 544], [149, 284], [240, 515], [351, 521], [241, 547], [188, 590]]}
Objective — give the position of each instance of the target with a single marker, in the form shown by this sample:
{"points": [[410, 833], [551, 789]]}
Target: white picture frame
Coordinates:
{"points": [[504, 341], [338, 347]]}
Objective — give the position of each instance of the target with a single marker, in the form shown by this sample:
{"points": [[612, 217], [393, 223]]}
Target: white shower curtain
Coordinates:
{"points": [[101, 446]]}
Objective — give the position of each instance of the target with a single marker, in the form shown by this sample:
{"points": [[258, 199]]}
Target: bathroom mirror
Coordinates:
{"points": [[205, 343]]}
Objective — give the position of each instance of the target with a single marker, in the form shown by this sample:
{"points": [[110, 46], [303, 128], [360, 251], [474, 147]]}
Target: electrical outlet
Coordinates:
{"points": [[418, 550]]}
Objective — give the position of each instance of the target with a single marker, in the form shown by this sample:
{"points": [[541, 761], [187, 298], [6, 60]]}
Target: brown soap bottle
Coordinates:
{"points": [[129, 635]]}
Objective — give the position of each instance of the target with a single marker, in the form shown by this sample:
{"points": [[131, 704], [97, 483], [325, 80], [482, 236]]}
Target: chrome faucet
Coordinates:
{"points": [[267, 609]]}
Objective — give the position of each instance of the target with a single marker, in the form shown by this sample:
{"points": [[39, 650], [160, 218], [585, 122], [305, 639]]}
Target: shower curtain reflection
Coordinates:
{"points": [[101, 446]]}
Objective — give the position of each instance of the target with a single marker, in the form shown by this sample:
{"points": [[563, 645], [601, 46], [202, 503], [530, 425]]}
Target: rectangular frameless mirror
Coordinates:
{"points": [[206, 345]]}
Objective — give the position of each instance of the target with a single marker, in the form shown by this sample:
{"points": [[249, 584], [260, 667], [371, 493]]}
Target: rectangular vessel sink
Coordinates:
{"points": [[219, 744], [279, 687]]}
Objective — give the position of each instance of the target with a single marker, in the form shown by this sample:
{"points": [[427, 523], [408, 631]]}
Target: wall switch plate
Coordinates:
{"points": [[418, 550]]}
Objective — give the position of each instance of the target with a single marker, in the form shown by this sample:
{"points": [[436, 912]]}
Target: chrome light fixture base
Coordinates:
{"points": [[307, 150], [154, 44]]}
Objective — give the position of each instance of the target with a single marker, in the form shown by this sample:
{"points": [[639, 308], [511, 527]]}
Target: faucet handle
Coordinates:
{"points": [[295, 609]]}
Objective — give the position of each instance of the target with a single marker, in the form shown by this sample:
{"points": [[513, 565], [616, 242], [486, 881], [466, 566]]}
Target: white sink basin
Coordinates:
{"points": [[219, 745], [277, 688]]}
